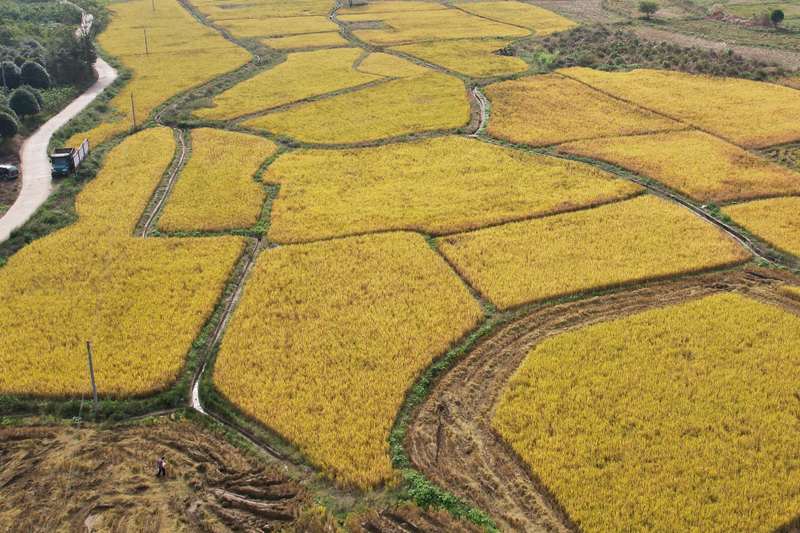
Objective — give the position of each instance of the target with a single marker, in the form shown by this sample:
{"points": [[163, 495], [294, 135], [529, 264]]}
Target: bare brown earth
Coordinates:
{"points": [[577, 10], [768, 55], [210, 485], [450, 438], [409, 519]]}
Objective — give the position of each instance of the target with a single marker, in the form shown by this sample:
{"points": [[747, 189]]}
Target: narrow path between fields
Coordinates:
{"points": [[35, 164]]}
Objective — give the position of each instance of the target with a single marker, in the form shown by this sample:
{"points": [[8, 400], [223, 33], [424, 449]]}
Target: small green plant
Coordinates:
{"points": [[776, 16], [648, 7]]}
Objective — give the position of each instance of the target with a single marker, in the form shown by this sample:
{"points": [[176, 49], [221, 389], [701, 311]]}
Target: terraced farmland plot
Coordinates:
{"points": [[550, 109], [445, 185], [776, 221], [216, 191], [183, 54], [278, 26], [390, 6], [791, 291], [693, 163], [676, 419], [432, 102], [536, 19], [638, 240], [476, 59], [308, 40], [329, 337], [391, 66], [157, 293], [731, 108], [259, 9], [302, 75]]}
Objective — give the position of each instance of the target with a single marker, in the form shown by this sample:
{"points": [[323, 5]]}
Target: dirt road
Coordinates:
{"points": [[35, 165]]}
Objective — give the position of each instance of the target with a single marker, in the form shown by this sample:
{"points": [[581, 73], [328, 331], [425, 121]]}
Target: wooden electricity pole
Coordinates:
{"points": [[133, 112], [146, 51], [91, 373]]}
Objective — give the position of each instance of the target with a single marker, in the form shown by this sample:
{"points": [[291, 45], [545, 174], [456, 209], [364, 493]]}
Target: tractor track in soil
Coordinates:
{"points": [[450, 439]]}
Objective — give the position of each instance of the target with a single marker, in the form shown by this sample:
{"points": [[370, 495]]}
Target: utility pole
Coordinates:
{"points": [[153, 2], [133, 112], [146, 51], [91, 373]]}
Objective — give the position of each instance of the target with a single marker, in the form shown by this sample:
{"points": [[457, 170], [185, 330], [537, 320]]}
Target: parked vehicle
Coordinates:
{"points": [[8, 172], [65, 161]]}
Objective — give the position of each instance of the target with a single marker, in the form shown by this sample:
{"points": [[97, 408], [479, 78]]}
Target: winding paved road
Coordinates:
{"points": [[35, 164]]}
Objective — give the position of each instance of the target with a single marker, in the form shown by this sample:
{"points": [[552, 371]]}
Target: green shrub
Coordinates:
{"points": [[24, 103], [8, 126]]}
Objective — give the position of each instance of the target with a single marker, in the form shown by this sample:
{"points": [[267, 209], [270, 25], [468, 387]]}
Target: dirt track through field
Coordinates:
{"points": [[450, 439]]}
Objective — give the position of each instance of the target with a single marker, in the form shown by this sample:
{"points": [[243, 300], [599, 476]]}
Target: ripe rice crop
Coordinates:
{"points": [[541, 111], [278, 26], [693, 163], [309, 40], [444, 185], [470, 58], [791, 292], [329, 337], [775, 221], [258, 9], [183, 54], [390, 6], [422, 103], [438, 25], [216, 191], [541, 21], [675, 419], [302, 75], [391, 66], [156, 297], [634, 241], [731, 108]]}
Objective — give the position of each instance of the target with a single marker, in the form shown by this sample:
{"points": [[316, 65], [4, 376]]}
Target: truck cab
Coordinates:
{"points": [[62, 162]]}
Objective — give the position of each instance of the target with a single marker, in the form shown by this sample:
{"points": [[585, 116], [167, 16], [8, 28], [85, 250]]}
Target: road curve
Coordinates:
{"points": [[35, 164]]}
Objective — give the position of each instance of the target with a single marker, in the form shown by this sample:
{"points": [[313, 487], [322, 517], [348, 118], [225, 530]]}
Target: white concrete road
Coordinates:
{"points": [[34, 161]]}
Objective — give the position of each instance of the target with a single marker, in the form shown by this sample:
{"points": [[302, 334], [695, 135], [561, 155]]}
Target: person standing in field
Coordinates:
{"points": [[161, 467]]}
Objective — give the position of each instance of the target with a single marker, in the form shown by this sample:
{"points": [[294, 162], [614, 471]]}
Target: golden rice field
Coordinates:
{"points": [[470, 58], [775, 221], [308, 40], [435, 25], [302, 75], [448, 184], [216, 191], [389, 6], [731, 108], [634, 241], [676, 419], [278, 26], [157, 295], [256, 9], [534, 18], [790, 291], [328, 338], [693, 163], [542, 111], [391, 66], [432, 102], [183, 54]]}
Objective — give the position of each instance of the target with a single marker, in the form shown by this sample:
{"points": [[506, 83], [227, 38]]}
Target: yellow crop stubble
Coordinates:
{"points": [[470, 58], [629, 242], [790, 291], [182, 54], [329, 337], [309, 40], [216, 191], [540, 20], [302, 75], [676, 419], [156, 296], [391, 66], [432, 102], [750, 114], [776, 221], [693, 163], [550, 109], [444, 185]]}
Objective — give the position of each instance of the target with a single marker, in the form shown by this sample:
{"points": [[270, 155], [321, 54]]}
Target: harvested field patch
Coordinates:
{"points": [[446, 184], [669, 420], [183, 54], [776, 221], [328, 337], [470, 58], [278, 26], [693, 163], [308, 40], [391, 66], [216, 191], [157, 295], [731, 108], [438, 25], [534, 18], [541, 111], [634, 241], [302, 75], [432, 102]]}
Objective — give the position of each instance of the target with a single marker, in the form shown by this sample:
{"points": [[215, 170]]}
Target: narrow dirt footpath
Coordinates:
{"points": [[35, 164], [450, 439]]}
